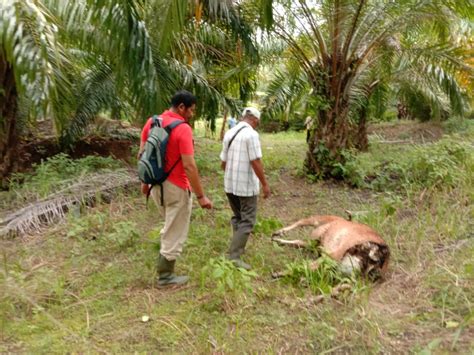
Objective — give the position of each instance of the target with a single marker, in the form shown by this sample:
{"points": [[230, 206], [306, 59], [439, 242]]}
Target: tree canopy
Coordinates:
{"points": [[340, 62]]}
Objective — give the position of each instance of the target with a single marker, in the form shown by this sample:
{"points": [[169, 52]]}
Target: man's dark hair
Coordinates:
{"points": [[183, 97]]}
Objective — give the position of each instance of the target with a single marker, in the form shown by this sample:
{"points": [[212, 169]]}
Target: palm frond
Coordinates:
{"points": [[54, 208], [284, 91], [96, 92], [29, 39], [206, 93], [228, 14], [90, 23]]}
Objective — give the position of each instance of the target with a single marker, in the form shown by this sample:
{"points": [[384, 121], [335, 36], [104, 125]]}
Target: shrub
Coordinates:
{"points": [[267, 226], [99, 228], [224, 279], [124, 235], [321, 280], [443, 164], [459, 125]]}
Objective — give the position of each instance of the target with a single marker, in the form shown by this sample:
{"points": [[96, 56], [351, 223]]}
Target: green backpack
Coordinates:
{"points": [[151, 166]]}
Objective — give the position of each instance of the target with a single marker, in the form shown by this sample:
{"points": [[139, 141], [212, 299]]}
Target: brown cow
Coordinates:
{"points": [[355, 245]]}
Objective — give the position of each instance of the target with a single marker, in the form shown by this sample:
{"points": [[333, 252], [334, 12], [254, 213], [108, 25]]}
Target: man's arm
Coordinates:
{"points": [[144, 187], [257, 166], [142, 148], [192, 173]]}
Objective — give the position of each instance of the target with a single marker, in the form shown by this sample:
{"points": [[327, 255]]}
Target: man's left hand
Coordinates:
{"points": [[145, 188], [266, 191]]}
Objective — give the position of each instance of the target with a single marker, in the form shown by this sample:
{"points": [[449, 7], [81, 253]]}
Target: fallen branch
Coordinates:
{"points": [[55, 207]]}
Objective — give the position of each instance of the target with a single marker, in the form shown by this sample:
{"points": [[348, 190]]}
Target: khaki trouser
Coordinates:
{"points": [[176, 209]]}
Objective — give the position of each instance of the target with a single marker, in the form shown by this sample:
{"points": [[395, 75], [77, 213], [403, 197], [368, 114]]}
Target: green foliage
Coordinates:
{"points": [[266, 226], [321, 280], [57, 172], [89, 227], [124, 235], [329, 166], [443, 164], [222, 278], [95, 227], [460, 126]]}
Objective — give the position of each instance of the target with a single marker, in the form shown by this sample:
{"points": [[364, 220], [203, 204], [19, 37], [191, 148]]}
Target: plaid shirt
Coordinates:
{"points": [[239, 178]]}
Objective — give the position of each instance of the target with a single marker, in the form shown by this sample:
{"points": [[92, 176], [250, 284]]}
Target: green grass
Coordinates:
{"points": [[84, 286]]}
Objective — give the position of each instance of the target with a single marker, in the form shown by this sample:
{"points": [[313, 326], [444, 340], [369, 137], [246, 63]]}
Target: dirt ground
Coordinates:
{"points": [[40, 143], [408, 131]]}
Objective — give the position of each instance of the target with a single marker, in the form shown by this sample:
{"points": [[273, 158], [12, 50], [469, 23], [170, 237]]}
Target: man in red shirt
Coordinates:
{"points": [[183, 178]]}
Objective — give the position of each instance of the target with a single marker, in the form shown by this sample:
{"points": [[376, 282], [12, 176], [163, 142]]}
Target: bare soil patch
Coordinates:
{"points": [[293, 198], [408, 131], [40, 143], [34, 150]]}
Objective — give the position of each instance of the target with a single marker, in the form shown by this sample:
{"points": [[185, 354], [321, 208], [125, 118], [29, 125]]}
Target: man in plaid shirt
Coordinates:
{"points": [[241, 160]]}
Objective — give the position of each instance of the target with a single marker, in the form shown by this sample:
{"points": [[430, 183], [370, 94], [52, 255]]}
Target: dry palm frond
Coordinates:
{"points": [[55, 207]]}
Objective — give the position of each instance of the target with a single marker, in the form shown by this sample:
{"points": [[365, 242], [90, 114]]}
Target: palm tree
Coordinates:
{"points": [[38, 53], [31, 59], [75, 58], [345, 48]]}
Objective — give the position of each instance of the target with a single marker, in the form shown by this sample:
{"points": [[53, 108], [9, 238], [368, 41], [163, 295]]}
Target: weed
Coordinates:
{"points": [[447, 163], [321, 279], [225, 280], [89, 227], [124, 235], [459, 125], [267, 226]]}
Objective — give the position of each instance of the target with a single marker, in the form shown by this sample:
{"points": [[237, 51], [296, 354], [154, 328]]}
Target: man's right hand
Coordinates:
{"points": [[204, 202]]}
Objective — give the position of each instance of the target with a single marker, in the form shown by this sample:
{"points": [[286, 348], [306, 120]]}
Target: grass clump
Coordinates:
{"points": [[95, 227], [319, 280], [446, 163], [225, 281]]}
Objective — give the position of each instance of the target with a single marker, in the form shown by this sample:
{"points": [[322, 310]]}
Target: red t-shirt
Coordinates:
{"points": [[180, 142]]}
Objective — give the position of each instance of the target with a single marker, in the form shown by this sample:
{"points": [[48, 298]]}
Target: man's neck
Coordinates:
{"points": [[172, 109], [250, 123]]}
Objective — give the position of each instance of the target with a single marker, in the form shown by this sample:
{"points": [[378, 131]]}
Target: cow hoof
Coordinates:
{"points": [[277, 234]]}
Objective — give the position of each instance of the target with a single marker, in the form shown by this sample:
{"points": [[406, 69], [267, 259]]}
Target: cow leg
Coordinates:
{"points": [[301, 223], [296, 243]]}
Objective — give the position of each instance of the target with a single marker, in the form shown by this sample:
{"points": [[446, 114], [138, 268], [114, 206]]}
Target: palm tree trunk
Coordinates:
{"points": [[8, 109], [361, 139], [331, 135], [224, 123]]}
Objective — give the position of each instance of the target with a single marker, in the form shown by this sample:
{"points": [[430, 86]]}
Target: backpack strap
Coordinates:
{"points": [[169, 128], [149, 193], [235, 135], [148, 196], [173, 125], [155, 121]]}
